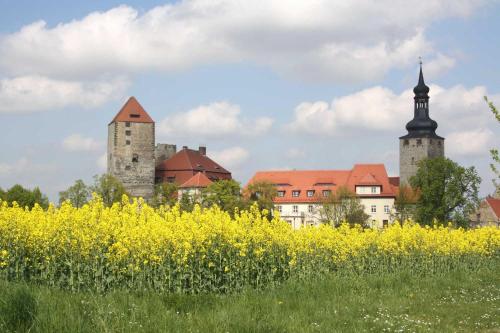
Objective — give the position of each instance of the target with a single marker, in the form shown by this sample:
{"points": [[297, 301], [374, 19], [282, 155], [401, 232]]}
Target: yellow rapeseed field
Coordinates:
{"points": [[134, 246]]}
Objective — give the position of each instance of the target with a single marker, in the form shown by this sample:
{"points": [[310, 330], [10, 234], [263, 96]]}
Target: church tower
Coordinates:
{"points": [[131, 140], [421, 142]]}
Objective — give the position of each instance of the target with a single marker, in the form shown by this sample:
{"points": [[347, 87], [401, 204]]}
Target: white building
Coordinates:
{"points": [[300, 192]]}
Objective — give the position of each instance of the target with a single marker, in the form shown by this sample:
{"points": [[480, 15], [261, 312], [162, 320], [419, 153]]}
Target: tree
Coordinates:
{"points": [[224, 193], [448, 191], [25, 197], [342, 206], [78, 194], [404, 204], [2, 194], [495, 164], [165, 194], [187, 202], [108, 188], [263, 193]]}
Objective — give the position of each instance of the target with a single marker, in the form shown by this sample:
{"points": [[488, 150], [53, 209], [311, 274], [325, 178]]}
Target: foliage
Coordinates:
{"points": [[19, 312], [2, 194], [262, 193], [342, 206], [25, 197], [109, 188], [495, 165], [188, 201], [225, 194], [78, 194], [447, 190], [137, 247], [165, 194], [404, 204]]}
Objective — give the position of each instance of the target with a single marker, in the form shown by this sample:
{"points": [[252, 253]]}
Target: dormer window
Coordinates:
{"points": [[310, 193], [281, 194], [326, 193], [295, 193]]}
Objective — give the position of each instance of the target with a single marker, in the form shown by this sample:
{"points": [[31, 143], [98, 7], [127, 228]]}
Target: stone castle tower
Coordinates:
{"points": [[131, 149], [421, 141]]}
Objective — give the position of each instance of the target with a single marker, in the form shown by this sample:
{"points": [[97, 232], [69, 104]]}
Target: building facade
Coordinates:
{"points": [[300, 193], [131, 144], [421, 142], [138, 164]]}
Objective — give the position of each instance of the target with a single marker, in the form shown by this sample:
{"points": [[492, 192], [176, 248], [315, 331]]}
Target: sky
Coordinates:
{"points": [[264, 84]]}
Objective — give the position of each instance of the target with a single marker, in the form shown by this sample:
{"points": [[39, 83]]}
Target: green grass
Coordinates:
{"points": [[396, 302]]}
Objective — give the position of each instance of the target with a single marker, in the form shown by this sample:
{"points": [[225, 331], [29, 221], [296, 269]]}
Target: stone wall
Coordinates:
{"points": [[163, 151], [413, 150], [131, 156]]}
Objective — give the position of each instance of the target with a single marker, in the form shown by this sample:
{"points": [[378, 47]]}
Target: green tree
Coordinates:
{"points": [[342, 206], [495, 164], [108, 188], [25, 197], [165, 194], [404, 204], [2, 194], [224, 193], [448, 191], [78, 194], [262, 193], [187, 202]]}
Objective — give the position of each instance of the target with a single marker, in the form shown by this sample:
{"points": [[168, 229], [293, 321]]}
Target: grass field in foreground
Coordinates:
{"points": [[398, 302]]}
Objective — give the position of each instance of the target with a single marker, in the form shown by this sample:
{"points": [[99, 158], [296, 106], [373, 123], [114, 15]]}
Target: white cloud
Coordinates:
{"points": [[218, 119], [231, 157], [327, 39], [36, 93], [475, 142], [102, 162], [380, 109], [23, 166], [77, 142]]}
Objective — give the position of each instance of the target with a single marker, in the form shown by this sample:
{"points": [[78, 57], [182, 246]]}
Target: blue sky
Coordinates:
{"points": [[310, 85]]}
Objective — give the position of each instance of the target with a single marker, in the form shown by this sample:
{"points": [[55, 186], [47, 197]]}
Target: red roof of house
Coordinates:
{"points": [[495, 205], [132, 112], [197, 181], [189, 159], [319, 180]]}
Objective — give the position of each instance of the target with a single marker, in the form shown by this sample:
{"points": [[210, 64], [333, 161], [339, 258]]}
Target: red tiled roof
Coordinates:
{"points": [[132, 112], [495, 205], [198, 180], [189, 159], [319, 180]]}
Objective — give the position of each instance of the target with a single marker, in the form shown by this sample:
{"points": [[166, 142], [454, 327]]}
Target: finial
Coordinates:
{"points": [[420, 61]]}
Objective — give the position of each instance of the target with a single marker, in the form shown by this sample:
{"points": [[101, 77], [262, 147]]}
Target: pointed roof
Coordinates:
{"points": [[368, 179], [199, 180], [421, 89], [495, 205], [132, 112]]}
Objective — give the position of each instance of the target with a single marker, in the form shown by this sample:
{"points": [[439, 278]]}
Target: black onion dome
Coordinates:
{"points": [[421, 89]]}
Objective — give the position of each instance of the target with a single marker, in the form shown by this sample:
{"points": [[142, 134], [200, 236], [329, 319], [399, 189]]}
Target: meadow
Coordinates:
{"points": [[134, 268]]}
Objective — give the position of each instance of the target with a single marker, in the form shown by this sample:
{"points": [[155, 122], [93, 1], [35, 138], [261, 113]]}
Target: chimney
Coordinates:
{"points": [[202, 150], [184, 147]]}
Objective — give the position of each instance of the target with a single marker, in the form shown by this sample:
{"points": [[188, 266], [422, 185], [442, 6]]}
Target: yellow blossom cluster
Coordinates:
{"points": [[132, 245]]}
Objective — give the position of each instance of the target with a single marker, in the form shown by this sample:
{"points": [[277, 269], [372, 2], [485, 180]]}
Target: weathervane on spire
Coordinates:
{"points": [[420, 61]]}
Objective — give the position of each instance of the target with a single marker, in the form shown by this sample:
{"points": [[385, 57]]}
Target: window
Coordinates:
{"points": [[310, 208], [327, 193], [295, 209], [412, 160], [439, 143], [374, 189], [385, 223], [135, 115], [127, 124], [281, 194], [127, 142], [374, 209], [279, 208], [310, 193], [386, 209], [128, 133], [419, 142], [135, 158], [127, 167], [170, 179], [295, 193], [406, 142]]}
